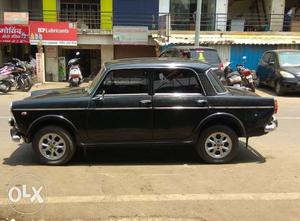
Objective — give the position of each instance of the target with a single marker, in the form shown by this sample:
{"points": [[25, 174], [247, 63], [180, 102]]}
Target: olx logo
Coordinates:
{"points": [[26, 194], [15, 194]]}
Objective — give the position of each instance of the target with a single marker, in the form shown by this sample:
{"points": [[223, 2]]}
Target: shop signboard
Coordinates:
{"points": [[130, 35], [53, 33], [18, 34], [16, 18], [40, 67]]}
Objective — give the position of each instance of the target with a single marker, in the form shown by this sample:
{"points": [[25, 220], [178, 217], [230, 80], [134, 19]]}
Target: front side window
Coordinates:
{"points": [[127, 81], [266, 57], [176, 81]]}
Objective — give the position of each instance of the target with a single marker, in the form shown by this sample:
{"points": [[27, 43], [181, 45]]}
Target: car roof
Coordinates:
{"points": [[190, 47], [156, 63], [284, 50]]}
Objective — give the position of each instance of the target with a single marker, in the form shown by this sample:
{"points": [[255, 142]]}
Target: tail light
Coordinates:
{"points": [[221, 66], [275, 106]]}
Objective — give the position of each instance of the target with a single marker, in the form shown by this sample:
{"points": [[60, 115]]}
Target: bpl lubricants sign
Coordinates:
{"points": [[53, 33]]}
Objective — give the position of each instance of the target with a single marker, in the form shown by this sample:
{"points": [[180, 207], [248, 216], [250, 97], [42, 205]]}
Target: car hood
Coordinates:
{"points": [[58, 93], [292, 70], [240, 92]]}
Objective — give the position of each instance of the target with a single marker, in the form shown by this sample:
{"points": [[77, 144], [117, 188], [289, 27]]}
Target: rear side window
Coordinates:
{"points": [[218, 86], [126, 82], [176, 81], [208, 56]]}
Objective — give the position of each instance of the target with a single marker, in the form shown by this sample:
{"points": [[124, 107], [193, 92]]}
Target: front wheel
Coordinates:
{"points": [[53, 145], [217, 144], [5, 87], [278, 89], [27, 84]]}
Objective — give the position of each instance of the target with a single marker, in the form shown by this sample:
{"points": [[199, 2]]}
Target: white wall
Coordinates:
{"points": [[164, 6], [277, 9], [51, 63], [221, 11]]}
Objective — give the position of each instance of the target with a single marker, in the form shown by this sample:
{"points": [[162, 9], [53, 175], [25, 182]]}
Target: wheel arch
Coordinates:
{"points": [[51, 120], [225, 119]]}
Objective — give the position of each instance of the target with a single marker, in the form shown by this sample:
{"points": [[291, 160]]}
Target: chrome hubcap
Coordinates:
{"points": [[218, 145], [52, 146]]}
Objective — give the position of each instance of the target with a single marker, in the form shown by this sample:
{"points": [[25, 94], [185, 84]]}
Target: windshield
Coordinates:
{"points": [[92, 86], [289, 59], [216, 83], [207, 56]]}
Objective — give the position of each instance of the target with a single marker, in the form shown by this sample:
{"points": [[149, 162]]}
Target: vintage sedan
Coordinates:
{"points": [[143, 101]]}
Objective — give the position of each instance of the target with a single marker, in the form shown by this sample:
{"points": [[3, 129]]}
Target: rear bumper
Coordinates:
{"points": [[272, 125]]}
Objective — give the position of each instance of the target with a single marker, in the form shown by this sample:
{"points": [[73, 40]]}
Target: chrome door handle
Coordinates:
{"points": [[145, 102], [201, 102]]}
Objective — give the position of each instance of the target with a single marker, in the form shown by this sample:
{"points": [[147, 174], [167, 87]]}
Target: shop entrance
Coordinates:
{"points": [[90, 60]]}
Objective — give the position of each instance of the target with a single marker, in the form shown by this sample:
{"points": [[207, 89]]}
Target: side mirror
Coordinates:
{"points": [[99, 97]]}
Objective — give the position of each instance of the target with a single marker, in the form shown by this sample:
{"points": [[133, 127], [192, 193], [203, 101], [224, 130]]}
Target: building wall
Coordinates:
{"points": [[134, 51], [252, 52], [223, 51], [221, 11], [136, 13]]}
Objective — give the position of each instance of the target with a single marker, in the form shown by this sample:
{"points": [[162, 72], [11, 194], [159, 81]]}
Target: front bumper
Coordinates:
{"points": [[14, 132], [272, 125], [291, 86]]}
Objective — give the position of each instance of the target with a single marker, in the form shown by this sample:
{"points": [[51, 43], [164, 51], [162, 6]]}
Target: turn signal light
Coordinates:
{"points": [[275, 106]]}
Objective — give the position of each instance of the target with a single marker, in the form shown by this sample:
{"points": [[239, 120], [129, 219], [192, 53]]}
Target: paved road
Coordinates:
{"points": [[163, 183]]}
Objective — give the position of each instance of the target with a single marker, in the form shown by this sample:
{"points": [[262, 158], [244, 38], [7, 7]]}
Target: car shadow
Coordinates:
{"points": [[132, 155], [270, 91]]}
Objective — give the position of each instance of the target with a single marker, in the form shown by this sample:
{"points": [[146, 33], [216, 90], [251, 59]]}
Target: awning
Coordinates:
{"points": [[229, 38]]}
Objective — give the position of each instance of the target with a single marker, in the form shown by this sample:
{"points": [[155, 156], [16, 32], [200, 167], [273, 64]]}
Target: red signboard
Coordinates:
{"points": [[14, 34], [53, 33]]}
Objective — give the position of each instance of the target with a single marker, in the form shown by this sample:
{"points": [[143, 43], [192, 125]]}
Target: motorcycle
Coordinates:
{"points": [[75, 75], [5, 84], [246, 74], [232, 78], [17, 74]]}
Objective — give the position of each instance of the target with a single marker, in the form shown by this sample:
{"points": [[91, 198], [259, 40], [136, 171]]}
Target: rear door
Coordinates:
{"points": [[179, 104]]}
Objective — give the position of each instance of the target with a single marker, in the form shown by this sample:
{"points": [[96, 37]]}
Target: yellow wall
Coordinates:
{"points": [[49, 10], [106, 14]]}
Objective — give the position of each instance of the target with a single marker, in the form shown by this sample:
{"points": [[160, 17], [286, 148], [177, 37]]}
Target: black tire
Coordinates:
{"points": [[258, 82], [278, 89], [65, 136], [27, 84], [8, 87], [203, 144], [251, 85]]}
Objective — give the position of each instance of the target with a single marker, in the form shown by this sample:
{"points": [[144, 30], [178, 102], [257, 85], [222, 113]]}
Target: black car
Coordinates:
{"points": [[280, 69], [143, 101], [203, 54]]}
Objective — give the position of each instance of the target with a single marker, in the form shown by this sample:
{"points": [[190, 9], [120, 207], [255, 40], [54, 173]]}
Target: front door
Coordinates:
{"points": [[179, 104], [124, 113]]}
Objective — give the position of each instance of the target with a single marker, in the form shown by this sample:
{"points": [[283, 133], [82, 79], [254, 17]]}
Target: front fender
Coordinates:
{"points": [[50, 120]]}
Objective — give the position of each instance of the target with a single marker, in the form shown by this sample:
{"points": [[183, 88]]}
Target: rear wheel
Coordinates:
{"points": [[217, 144], [27, 84], [252, 87], [53, 145]]}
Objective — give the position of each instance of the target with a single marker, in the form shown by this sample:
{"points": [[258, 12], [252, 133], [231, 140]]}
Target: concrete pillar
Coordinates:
{"points": [[221, 15], [107, 53], [51, 61], [277, 15]]}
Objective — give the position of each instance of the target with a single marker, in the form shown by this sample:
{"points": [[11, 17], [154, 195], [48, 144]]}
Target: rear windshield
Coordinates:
{"points": [[208, 56]]}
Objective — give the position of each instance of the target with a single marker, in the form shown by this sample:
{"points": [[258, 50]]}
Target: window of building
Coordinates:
{"points": [[84, 12], [126, 82], [176, 81]]}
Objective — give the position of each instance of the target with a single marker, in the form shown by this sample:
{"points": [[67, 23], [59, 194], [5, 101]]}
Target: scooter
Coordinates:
{"points": [[246, 74], [75, 75]]}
